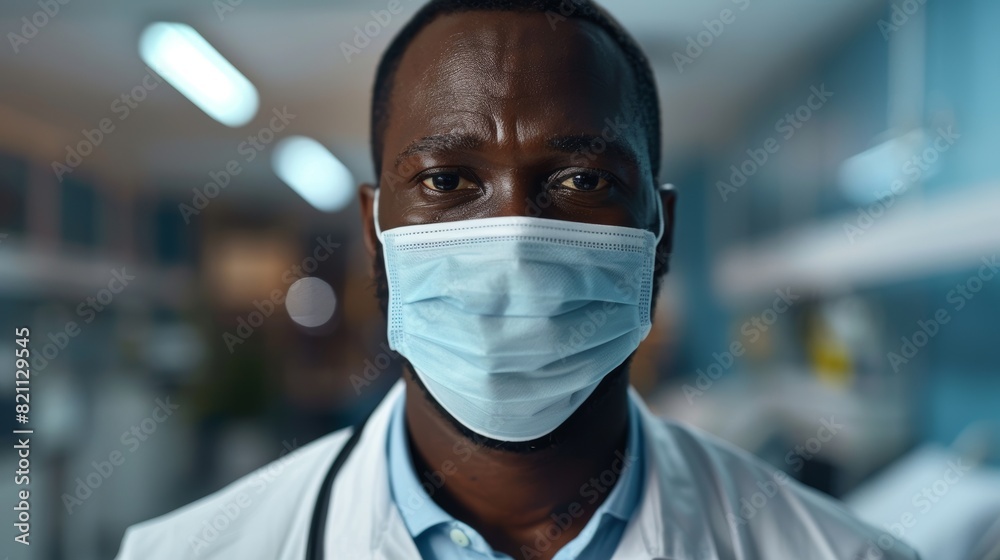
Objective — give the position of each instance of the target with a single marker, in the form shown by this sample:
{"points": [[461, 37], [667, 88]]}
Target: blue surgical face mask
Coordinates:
{"points": [[512, 322]]}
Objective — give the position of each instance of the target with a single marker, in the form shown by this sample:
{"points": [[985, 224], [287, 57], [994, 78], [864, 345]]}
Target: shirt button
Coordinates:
{"points": [[459, 538]]}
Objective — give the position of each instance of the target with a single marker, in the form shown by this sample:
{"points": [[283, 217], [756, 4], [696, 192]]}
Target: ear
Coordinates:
{"points": [[668, 196], [366, 199]]}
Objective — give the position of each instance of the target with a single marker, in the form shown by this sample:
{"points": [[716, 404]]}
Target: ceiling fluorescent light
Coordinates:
{"points": [[185, 59], [313, 172]]}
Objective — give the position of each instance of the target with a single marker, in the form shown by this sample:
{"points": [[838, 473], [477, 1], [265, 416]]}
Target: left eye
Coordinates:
{"points": [[585, 182], [447, 182]]}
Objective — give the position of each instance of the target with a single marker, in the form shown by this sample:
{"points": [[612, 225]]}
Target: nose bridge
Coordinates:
{"points": [[517, 192], [510, 194]]}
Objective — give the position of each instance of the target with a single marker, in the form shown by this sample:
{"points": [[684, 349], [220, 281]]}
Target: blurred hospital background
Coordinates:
{"points": [[186, 253]]}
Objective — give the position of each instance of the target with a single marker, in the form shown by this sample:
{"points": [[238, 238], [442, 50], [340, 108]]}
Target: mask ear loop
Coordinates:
{"points": [[378, 230], [659, 209]]}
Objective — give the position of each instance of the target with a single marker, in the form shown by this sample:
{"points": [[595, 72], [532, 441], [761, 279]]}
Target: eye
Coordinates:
{"points": [[585, 182], [446, 182]]}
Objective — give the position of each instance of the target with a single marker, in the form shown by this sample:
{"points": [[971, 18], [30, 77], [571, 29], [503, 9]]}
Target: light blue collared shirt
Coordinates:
{"points": [[439, 536]]}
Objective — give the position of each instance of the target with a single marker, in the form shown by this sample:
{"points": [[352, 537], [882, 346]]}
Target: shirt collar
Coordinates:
{"points": [[625, 497], [418, 509], [420, 512]]}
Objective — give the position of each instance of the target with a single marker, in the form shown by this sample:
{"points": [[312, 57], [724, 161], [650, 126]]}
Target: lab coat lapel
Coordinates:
{"points": [[364, 522], [669, 523]]}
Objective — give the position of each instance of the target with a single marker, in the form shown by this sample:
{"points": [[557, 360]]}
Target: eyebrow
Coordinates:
{"points": [[584, 143], [439, 143]]}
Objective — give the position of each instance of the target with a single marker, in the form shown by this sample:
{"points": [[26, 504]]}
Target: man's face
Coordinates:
{"points": [[502, 114]]}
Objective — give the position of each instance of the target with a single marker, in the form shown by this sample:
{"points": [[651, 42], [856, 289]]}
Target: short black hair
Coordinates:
{"points": [[585, 10]]}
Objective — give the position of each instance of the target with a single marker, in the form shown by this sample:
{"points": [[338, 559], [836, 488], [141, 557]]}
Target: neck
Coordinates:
{"points": [[511, 497]]}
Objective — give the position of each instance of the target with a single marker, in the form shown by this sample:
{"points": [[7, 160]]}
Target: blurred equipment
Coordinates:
{"points": [[943, 502]]}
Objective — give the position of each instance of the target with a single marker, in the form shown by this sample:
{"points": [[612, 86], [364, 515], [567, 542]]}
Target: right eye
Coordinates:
{"points": [[445, 182], [585, 182]]}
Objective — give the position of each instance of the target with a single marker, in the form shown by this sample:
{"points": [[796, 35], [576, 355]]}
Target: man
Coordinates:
{"points": [[517, 236]]}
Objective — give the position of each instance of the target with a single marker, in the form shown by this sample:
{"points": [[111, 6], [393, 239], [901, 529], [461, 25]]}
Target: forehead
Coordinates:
{"points": [[509, 77]]}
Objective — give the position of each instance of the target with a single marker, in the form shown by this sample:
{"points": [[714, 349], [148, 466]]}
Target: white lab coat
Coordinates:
{"points": [[695, 488]]}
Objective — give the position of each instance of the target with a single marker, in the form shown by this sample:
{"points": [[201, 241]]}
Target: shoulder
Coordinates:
{"points": [[765, 511], [269, 501]]}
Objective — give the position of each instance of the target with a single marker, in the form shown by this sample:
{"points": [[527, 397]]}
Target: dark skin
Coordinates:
{"points": [[489, 113]]}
